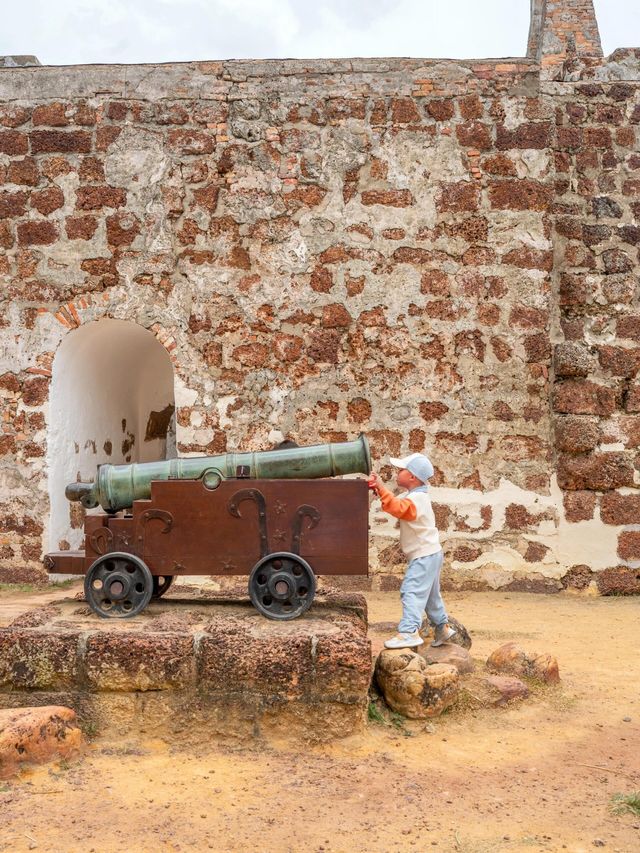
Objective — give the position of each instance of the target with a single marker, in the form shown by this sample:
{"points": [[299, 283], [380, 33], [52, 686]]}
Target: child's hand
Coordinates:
{"points": [[374, 483]]}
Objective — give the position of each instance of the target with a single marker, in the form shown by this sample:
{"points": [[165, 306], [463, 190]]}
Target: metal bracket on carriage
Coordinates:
{"points": [[144, 518], [258, 498], [304, 511], [101, 540]]}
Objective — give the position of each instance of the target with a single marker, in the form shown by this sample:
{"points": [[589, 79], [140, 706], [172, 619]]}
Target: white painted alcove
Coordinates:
{"points": [[108, 376]]}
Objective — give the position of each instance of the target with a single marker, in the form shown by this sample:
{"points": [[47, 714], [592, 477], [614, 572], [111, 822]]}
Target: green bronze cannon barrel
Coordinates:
{"points": [[118, 486]]}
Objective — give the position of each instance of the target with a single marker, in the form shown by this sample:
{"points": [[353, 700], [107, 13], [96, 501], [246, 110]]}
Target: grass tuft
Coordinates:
{"points": [[626, 803]]}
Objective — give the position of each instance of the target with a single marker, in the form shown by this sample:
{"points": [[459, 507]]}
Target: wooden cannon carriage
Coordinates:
{"points": [[272, 516]]}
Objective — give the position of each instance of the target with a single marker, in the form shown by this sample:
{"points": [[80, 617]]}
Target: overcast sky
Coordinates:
{"points": [[61, 32]]}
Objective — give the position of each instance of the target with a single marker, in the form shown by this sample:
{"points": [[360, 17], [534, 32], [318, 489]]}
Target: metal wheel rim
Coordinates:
{"points": [[118, 586], [282, 586]]}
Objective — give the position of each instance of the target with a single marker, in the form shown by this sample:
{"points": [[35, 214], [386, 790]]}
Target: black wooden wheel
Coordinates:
{"points": [[282, 585], [118, 586], [161, 584]]}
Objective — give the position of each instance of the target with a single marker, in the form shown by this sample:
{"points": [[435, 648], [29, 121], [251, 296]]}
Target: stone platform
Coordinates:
{"points": [[194, 665]]}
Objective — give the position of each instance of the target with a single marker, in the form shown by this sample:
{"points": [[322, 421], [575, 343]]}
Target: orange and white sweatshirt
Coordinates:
{"points": [[418, 532]]}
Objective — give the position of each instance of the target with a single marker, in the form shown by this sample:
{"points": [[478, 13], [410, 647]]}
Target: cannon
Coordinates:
{"points": [[277, 516]]}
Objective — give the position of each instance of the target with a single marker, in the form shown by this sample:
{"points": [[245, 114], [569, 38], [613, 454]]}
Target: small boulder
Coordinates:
{"points": [[505, 688], [510, 659], [545, 668], [414, 688], [36, 735], [460, 638], [448, 653]]}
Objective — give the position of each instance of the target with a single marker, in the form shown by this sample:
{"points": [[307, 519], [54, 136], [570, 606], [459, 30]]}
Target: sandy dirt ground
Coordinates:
{"points": [[536, 776]]}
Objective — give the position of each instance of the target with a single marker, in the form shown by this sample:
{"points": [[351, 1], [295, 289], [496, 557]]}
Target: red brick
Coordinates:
{"points": [[81, 227], [122, 228], [598, 472], [620, 509], [412, 255], [106, 136], [520, 195], [37, 233], [620, 361], [474, 135], [579, 506], [359, 410], [24, 172], [13, 143], [467, 553], [51, 115], [391, 198], [6, 234], [534, 135], [457, 197], [324, 346], [95, 197], [528, 258], [579, 397], [191, 141], [441, 110], [435, 282], [12, 115], [569, 137], [432, 411], [577, 434], [46, 201], [335, 316], [471, 107], [597, 137], [616, 261], [51, 141], [404, 111], [305, 195], [91, 170], [321, 280], [12, 204], [35, 391], [629, 545], [500, 165], [528, 318]]}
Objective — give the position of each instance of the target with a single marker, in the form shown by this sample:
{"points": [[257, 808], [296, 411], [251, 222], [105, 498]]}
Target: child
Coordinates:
{"points": [[420, 543]]}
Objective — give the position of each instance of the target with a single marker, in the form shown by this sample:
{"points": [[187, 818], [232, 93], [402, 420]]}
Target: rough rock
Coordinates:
{"points": [[36, 735], [450, 654], [619, 580], [460, 638], [513, 660], [414, 688], [506, 688]]}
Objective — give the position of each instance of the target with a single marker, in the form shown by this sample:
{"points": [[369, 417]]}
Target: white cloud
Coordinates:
{"points": [[74, 31]]}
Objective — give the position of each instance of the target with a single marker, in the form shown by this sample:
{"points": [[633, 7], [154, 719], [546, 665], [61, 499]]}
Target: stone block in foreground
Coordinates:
{"points": [[36, 735], [191, 667]]}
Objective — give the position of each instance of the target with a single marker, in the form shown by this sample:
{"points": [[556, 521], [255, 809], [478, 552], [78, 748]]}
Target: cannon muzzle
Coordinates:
{"points": [[118, 486]]}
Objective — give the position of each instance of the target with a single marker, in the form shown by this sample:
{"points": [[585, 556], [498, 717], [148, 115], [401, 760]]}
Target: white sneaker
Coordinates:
{"points": [[404, 641], [443, 634]]}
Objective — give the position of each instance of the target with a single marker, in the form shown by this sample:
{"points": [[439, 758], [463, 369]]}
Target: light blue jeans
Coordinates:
{"points": [[420, 592]]}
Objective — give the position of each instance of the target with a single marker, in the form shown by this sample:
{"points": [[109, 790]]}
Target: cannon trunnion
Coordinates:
{"points": [[279, 532]]}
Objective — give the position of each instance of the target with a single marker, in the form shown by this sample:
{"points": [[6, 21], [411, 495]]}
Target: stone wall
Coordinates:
{"points": [[441, 254]]}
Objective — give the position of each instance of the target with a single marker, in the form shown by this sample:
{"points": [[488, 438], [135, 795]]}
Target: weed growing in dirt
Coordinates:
{"points": [[17, 587], [374, 715], [626, 803], [89, 728], [391, 719]]}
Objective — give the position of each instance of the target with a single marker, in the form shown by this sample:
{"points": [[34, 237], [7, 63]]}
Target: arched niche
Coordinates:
{"points": [[111, 400]]}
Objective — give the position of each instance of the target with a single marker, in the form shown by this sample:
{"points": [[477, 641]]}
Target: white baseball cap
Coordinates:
{"points": [[417, 464]]}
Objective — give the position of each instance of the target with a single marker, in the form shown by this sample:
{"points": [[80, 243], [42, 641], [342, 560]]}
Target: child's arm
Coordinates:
{"points": [[403, 508]]}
